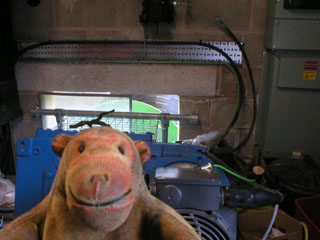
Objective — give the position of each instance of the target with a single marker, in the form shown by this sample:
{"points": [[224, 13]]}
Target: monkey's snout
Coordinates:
{"points": [[103, 178]]}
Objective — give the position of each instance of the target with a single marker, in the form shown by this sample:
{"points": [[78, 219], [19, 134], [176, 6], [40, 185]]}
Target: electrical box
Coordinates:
{"points": [[301, 4], [156, 11], [288, 118], [292, 29]]}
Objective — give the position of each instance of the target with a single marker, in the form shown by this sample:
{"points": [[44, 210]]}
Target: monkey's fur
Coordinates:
{"points": [[99, 194]]}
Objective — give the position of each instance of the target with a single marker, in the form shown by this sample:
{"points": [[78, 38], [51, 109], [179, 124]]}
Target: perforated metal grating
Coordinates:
{"points": [[131, 52]]}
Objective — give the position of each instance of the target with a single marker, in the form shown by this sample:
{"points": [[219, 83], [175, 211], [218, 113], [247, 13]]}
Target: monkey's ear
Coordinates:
{"points": [[59, 143], [144, 150]]}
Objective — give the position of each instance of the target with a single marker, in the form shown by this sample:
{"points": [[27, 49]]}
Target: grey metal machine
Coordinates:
{"points": [[206, 198], [289, 109]]}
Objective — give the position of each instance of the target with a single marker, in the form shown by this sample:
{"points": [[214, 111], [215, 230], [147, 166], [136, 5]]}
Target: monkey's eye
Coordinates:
{"points": [[121, 150], [81, 148]]}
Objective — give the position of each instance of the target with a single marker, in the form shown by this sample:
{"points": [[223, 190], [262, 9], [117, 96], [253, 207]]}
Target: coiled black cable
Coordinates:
{"points": [[252, 83]]}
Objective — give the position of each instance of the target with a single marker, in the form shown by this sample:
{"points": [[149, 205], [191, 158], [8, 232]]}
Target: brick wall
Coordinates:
{"points": [[119, 20]]}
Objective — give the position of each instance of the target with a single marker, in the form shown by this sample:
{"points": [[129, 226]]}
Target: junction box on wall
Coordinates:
{"points": [[156, 11]]}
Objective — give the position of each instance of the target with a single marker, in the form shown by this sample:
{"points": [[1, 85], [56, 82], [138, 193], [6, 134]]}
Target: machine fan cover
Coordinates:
{"points": [[208, 225]]}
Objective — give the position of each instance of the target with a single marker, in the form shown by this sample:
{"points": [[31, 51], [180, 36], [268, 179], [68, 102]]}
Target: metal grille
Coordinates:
{"points": [[122, 124], [132, 52], [207, 226]]}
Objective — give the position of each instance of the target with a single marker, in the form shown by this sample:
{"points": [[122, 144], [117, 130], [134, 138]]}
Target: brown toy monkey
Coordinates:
{"points": [[99, 194]]}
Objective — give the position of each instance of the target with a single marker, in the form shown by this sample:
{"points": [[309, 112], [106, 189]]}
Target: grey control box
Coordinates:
{"points": [[288, 117], [291, 28]]}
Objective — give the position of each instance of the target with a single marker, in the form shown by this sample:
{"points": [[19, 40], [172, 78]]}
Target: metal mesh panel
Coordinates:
{"points": [[122, 124]]}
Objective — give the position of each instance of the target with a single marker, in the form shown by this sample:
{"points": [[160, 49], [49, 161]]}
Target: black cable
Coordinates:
{"points": [[235, 115], [96, 121], [156, 42], [252, 83]]}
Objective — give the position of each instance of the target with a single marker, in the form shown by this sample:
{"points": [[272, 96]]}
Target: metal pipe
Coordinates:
{"points": [[165, 128], [63, 112]]}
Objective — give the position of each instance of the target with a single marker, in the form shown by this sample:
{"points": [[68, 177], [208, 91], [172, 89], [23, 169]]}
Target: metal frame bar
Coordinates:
{"points": [[163, 117]]}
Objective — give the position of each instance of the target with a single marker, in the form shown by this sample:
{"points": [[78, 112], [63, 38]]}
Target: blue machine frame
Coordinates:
{"points": [[37, 164]]}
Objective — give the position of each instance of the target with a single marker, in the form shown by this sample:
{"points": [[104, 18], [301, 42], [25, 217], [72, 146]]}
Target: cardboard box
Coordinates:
{"points": [[253, 225]]}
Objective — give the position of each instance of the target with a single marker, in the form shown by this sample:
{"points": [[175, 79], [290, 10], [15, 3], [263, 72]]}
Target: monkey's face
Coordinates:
{"points": [[103, 171]]}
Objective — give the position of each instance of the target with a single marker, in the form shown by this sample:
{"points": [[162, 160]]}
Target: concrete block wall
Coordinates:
{"points": [[210, 90]]}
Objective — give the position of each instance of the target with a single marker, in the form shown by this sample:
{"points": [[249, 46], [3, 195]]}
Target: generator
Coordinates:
{"points": [[180, 175], [205, 198], [197, 194], [37, 164]]}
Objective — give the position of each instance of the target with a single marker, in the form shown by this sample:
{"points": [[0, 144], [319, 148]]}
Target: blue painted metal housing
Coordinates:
{"points": [[37, 165]]}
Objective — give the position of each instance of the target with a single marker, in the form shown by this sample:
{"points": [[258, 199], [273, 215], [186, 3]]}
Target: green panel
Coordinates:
{"points": [[122, 105], [143, 108], [173, 132], [146, 108]]}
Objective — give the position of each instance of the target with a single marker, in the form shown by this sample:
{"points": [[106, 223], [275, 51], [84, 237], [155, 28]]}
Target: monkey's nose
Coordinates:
{"points": [[99, 184], [99, 178]]}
